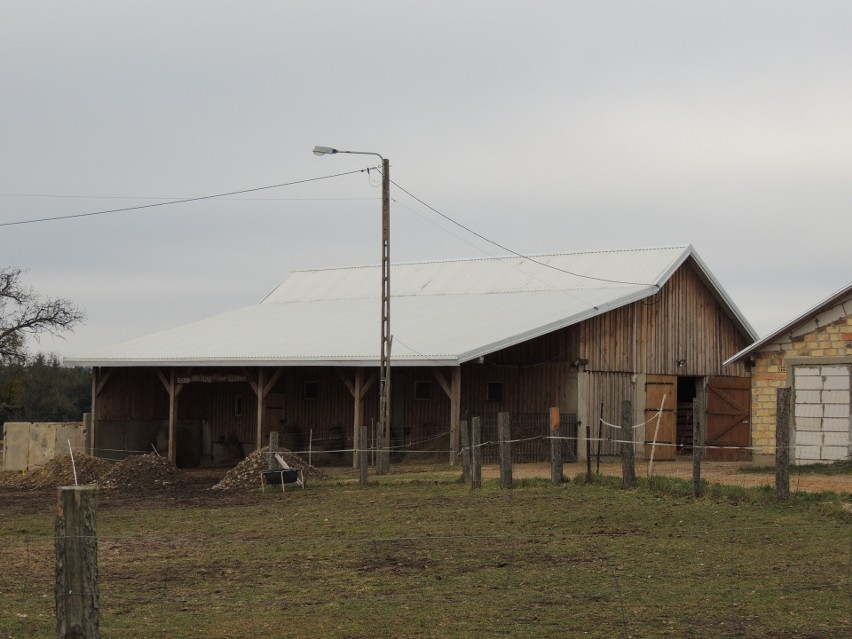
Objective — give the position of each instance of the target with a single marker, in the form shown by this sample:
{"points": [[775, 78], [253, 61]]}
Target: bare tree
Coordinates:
{"points": [[23, 312]]}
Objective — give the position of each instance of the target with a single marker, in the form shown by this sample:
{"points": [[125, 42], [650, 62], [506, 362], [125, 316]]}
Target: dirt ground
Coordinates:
{"points": [[195, 487]]}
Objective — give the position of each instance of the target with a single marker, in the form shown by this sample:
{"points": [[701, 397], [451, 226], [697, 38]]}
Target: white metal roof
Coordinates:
{"points": [[442, 313]]}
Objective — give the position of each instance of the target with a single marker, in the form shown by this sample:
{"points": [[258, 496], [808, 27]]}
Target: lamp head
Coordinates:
{"points": [[324, 150]]}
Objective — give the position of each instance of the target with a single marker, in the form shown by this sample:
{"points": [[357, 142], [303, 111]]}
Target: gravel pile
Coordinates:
{"points": [[246, 474], [60, 472], [143, 472]]}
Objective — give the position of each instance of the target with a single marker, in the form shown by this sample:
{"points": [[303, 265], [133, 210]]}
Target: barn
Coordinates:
{"points": [[581, 331], [812, 354]]}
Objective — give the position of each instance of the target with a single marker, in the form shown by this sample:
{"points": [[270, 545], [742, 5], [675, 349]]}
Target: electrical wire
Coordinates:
{"points": [[516, 253], [180, 201]]}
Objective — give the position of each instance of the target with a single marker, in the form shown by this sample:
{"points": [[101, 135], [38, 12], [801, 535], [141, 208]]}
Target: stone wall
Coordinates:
{"points": [[826, 338]]}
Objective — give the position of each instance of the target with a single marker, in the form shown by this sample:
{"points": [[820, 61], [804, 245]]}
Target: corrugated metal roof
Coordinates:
{"points": [[442, 313]]}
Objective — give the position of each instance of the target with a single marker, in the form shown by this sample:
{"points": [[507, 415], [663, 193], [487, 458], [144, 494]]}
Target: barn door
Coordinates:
{"points": [[660, 390], [728, 424]]}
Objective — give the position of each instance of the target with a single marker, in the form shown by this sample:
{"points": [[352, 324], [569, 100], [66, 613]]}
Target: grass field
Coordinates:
{"points": [[420, 555]]}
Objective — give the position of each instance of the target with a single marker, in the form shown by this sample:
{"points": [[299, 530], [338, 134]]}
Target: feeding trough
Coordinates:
{"points": [[282, 475]]}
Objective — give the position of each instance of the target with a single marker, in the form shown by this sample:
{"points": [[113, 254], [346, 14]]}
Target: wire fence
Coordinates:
{"points": [[723, 581]]}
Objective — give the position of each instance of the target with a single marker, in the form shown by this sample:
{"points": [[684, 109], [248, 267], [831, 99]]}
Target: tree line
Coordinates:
{"points": [[37, 388]]}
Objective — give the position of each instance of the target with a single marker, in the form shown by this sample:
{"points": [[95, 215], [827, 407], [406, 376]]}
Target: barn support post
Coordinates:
{"points": [[172, 454], [628, 468], [476, 453], [504, 436], [556, 446], [76, 543], [782, 443], [455, 414], [261, 383], [699, 408], [358, 389]]}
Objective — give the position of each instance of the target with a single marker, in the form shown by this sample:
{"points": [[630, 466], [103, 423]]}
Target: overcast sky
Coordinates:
{"points": [[544, 126]]}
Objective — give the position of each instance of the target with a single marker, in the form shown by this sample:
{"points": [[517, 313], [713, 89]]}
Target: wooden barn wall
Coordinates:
{"points": [[609, 389], [132, 394], [683, 321]]}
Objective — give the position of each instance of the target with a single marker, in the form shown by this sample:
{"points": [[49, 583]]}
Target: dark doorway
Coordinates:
{"points": [[686, 390]]}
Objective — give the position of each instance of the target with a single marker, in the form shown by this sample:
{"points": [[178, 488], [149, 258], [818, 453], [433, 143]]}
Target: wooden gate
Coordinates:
{"points": [[728, 423], [660, 390]]}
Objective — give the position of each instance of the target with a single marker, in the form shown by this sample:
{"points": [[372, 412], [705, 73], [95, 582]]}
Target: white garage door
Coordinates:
{"points": [[822, 423]]}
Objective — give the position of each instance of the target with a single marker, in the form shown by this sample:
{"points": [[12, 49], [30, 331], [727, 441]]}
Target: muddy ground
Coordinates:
{"points": [[194, 488]]}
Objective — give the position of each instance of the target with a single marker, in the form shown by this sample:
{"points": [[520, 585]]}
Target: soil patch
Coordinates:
{"points": [[60, 471]]}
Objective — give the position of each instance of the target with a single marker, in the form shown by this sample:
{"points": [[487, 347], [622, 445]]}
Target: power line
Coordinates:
{"points": [[513, 252], [180, 201]]}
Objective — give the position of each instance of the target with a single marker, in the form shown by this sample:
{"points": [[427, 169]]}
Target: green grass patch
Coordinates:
{"points": [[422, 556]]}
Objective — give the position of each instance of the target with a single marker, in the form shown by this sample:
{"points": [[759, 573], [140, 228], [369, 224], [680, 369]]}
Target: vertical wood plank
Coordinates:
{"points": [[261, 385], [362, 455], [699, 408], [465, 450], [455, 413], [172, 454]]}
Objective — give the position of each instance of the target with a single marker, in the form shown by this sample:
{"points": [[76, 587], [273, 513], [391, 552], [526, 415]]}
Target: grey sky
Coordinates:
{"points": [[545, 126]]}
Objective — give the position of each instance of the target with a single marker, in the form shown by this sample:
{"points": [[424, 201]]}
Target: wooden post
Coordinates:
{"points": [[455, 413], [172, 454], [465, 450], [698, 417], [782, 444], [476, 453], [600, 440], [588, 453], [358, 396], [555, 446], [273, 448], [77, 607], [95, 412], [259, 391], [362, 455], [628, 469], [504, 436]]}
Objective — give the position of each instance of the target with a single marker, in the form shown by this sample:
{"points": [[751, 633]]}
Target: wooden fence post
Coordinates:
{"points": [[698, 417], [504, 436], [556, 446], [782, 444], [77, 607], [273, 448], [465, 450], [628, 469], [588, 453], [476, 453], [362, 455]]}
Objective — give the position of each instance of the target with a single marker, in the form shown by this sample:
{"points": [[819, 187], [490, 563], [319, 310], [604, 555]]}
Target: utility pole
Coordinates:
{"points": [[383, 435]]}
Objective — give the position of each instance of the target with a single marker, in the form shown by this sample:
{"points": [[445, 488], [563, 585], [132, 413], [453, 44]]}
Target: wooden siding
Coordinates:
{"points": [[683, 323], [609, 389]]}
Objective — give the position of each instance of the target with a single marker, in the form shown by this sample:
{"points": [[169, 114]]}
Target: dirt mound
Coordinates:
{"points": [[59, 471], [246, 474], [144, 472]]}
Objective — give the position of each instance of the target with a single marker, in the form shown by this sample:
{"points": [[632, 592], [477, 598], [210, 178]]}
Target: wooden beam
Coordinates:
{"points": [[272, 381], [164, 380], [358, 419], [93, 439], [346, 381], [443, 382], [102, 382]]}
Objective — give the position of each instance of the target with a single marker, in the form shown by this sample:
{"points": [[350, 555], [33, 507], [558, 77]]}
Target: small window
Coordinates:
{"points": [[422, 391], [311, 390], [494, 392], [238, 406]]}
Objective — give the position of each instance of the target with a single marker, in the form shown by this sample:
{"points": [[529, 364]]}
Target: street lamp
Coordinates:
{"points": [[383, 443]]}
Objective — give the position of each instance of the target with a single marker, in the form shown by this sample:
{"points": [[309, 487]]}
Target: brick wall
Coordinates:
{"points": [[770, 372]]}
